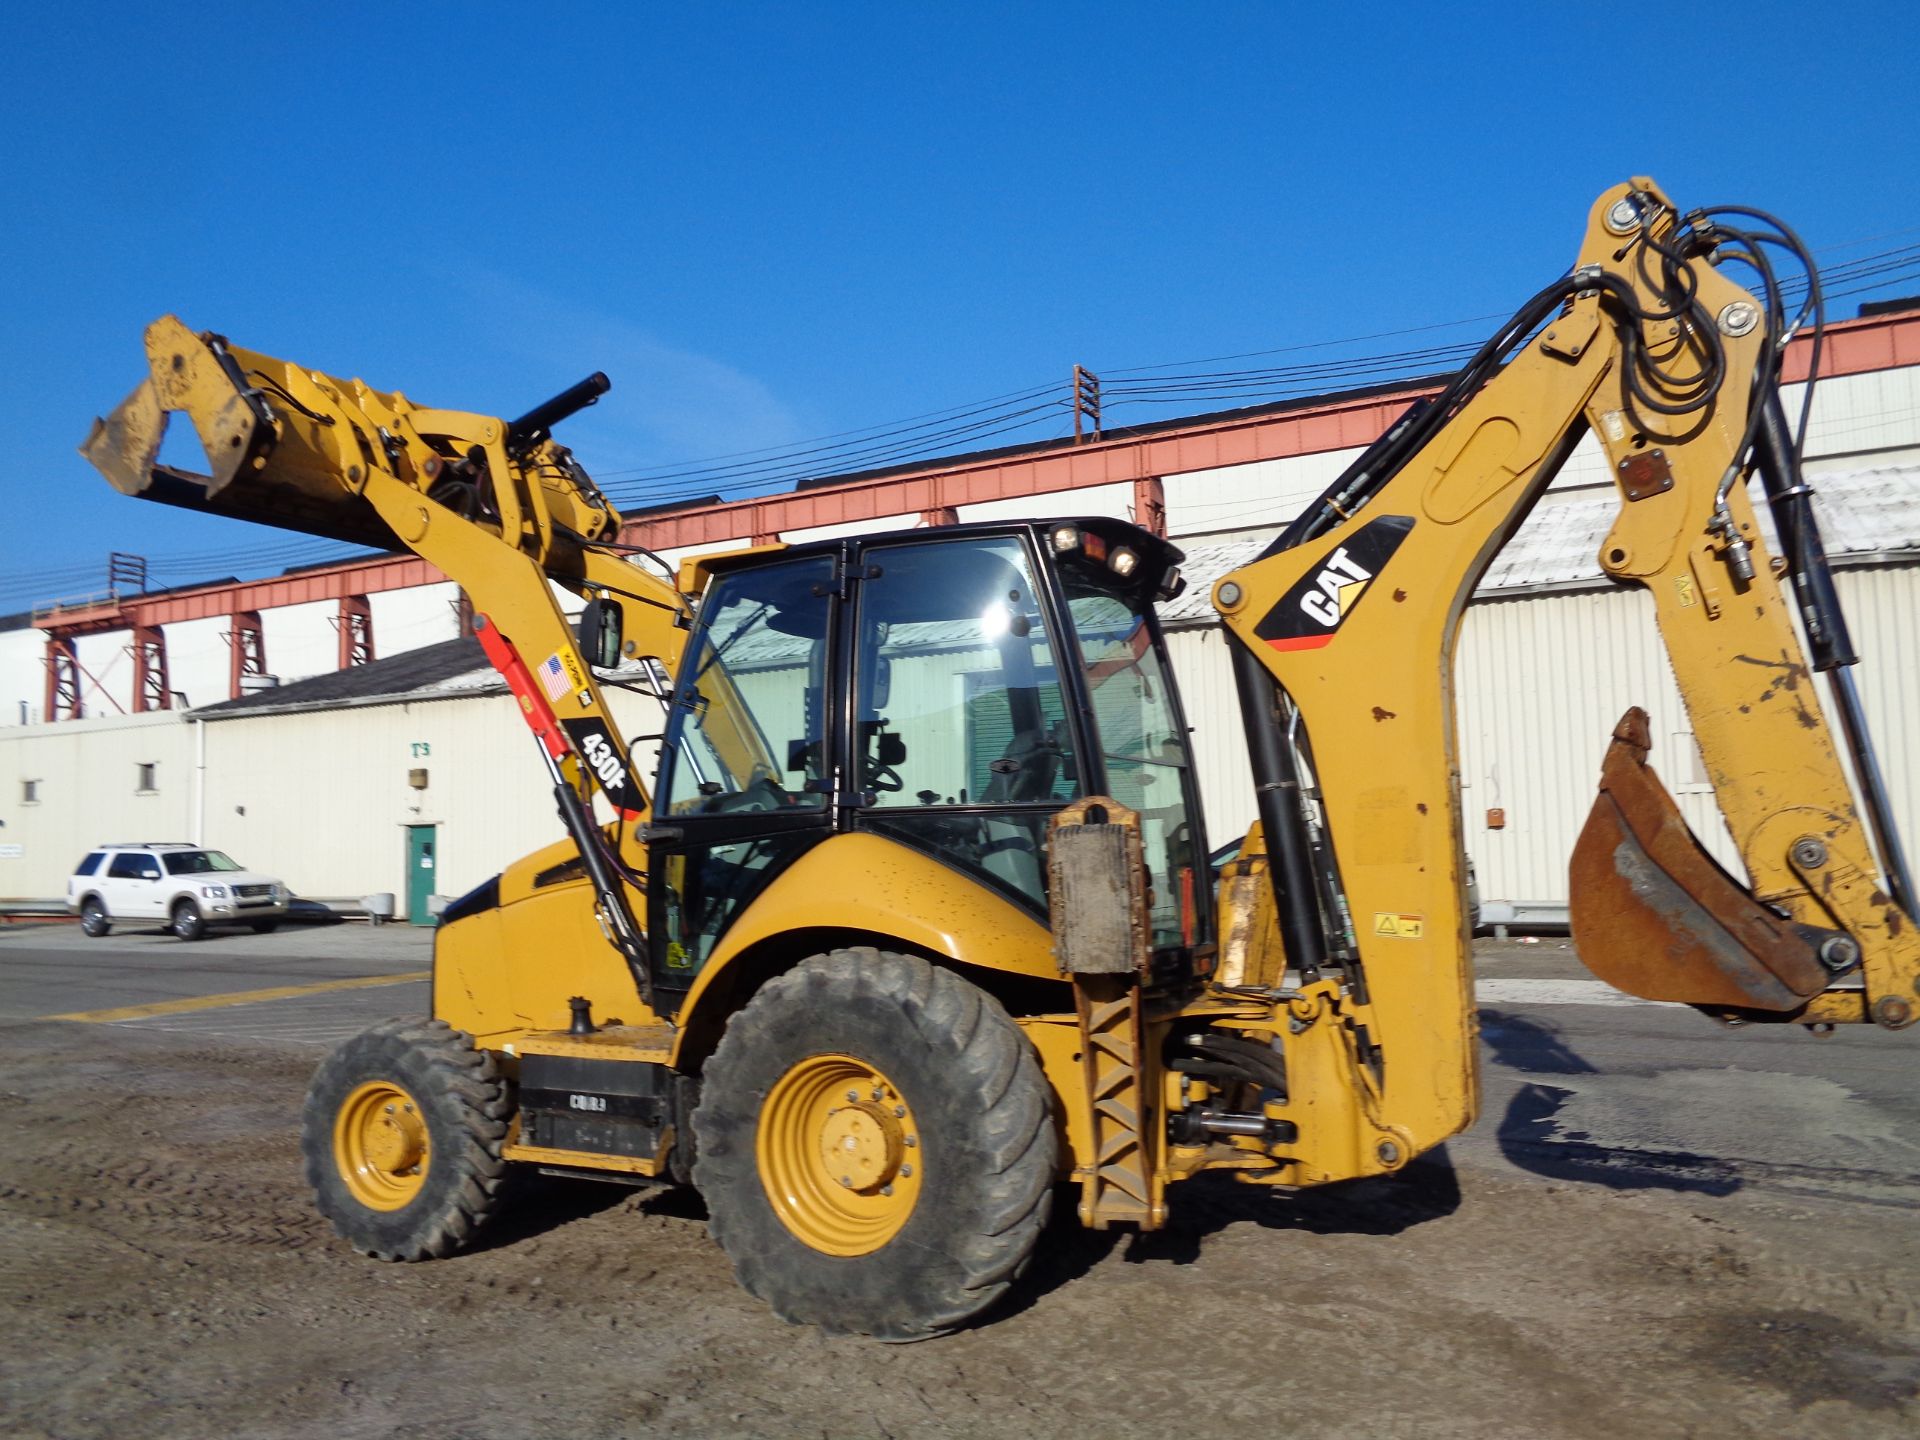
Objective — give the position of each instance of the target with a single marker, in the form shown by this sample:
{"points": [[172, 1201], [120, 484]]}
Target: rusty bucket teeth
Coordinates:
{"points": [[1653, 914]]}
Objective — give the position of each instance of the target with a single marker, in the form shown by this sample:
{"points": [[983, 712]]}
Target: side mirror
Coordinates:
{"points": [[882, 683], [600, 634]]}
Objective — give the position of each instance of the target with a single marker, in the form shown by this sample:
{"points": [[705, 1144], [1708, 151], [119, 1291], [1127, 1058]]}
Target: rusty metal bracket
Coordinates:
{"points": [[1098, 897], [1097, 884], [1645, 475]]}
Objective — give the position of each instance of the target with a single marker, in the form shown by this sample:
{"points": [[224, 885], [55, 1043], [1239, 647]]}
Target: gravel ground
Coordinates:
{"points": [[163, 1273]]}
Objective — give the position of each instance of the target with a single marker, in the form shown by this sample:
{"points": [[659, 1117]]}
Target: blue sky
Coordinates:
{"points": [[768, 224]]}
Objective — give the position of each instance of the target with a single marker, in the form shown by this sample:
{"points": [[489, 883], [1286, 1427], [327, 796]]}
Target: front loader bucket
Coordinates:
{"points": [[262, 466], [1653, 914]]}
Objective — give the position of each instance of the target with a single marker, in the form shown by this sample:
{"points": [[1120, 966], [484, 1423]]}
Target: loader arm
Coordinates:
{"points": [[1344, 634], [496, 505]]}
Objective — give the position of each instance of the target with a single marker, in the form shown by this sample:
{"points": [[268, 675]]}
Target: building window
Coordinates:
{"points": [[29, 792], [148, 784]]}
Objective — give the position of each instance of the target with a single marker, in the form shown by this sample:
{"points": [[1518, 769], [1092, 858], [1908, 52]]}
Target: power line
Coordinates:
{"points": [[930, 434]]}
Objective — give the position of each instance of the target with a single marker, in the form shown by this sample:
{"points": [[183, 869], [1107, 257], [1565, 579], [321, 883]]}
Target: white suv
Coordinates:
{"points": [[185, 887]]}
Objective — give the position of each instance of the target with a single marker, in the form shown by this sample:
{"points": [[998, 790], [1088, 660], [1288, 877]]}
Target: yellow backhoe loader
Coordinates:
{"points": [[917, 925]]}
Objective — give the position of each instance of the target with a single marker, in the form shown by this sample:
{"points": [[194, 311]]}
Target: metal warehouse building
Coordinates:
{"points": [[345, 782]]}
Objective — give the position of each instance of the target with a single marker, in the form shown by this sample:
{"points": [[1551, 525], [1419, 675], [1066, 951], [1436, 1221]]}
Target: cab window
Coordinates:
{"points": [[1144, 751], [749, 720], [961, 741], [959, 697]]}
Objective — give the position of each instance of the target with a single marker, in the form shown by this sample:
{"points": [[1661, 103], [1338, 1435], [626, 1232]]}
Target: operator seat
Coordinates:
{"points": [[1025, 771]]}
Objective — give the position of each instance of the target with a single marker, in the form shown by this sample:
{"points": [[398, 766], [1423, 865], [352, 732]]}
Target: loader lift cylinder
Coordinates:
{"points": [[533, 426]]}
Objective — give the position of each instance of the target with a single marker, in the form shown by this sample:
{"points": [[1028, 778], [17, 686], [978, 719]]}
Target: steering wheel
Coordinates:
{"points": [[762, 794]]}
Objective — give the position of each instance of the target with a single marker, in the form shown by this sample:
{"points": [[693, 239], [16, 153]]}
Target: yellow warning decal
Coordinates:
{"points": [[1390, 926]]}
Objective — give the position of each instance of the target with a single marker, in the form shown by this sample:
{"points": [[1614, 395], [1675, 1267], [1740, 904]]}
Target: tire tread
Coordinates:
{"points": [[988, 1062], [464, 1089]]}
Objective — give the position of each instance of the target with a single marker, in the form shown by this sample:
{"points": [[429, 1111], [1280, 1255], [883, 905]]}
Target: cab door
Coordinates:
{"points": [[747, 772]]}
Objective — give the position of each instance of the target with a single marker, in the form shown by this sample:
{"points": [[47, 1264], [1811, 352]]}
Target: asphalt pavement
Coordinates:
{"points": [[1579, 1083], [312, 984]]}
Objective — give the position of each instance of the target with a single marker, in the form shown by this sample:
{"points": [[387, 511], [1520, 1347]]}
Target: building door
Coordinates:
{"points": [[420, 873]]}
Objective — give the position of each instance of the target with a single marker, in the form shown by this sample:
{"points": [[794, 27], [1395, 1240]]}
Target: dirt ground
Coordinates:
{"points": [[162, 1273]]}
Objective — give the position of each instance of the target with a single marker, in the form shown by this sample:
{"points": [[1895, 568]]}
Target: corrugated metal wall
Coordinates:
{"points": [[322, 798], [87, 789], [1541, 683]]}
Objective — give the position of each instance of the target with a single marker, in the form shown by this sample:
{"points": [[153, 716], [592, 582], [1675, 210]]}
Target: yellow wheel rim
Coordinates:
{"points": [[380, 1145], [839, 1154]]}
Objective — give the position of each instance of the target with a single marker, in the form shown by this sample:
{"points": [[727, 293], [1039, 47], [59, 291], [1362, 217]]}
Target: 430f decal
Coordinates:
{"points": [[1310, 613], [597, 750]]}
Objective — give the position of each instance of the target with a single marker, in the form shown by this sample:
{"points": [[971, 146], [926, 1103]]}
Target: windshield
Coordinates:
{"points": [[747, 727], [1145, 750], [196, 862]]}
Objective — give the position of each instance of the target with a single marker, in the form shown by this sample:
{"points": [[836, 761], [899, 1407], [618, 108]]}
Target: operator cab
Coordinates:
{"points": [[948, 689]]}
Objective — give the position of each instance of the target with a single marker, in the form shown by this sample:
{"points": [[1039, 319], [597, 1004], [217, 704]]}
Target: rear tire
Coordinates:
{"points": [[187, 922], [402, 1134], [94, 920], [808, 1165]]}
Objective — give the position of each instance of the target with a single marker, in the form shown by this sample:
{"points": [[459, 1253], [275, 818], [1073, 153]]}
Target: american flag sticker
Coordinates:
{"points": [[553, 678]]}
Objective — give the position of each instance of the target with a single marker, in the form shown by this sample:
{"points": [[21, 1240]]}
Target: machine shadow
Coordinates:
{"points": [[1428, 1189], [1532, 1138], [1527, 1045], [536, 1204]]}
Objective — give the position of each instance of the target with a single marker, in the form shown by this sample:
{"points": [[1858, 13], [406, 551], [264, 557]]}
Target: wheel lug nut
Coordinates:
{"points": [[389, 1109], [853, 1095], [899, 1112], [911, 1140], [878, 1092], [886, 1189], [847, 1180], [906, 1172]]}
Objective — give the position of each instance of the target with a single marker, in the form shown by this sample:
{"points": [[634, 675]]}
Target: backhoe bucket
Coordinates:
{"points": [[1653, 914], [261, 466]]}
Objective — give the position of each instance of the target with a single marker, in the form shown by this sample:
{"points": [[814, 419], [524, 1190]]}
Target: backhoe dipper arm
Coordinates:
{"points": [[1345, 629], [496, 505]]}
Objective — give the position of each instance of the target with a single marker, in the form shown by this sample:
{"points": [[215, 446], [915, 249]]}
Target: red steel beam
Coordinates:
{"points": [[359, 577], [1852, 347]]}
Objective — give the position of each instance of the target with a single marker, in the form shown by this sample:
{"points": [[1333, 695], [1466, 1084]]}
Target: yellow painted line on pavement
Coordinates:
{"points": [[238, 997]]}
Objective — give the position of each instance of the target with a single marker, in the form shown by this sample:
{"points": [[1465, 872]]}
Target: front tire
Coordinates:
{"points": [[875, 1146], [402, 1135], [187, 922], [94, 920]]}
